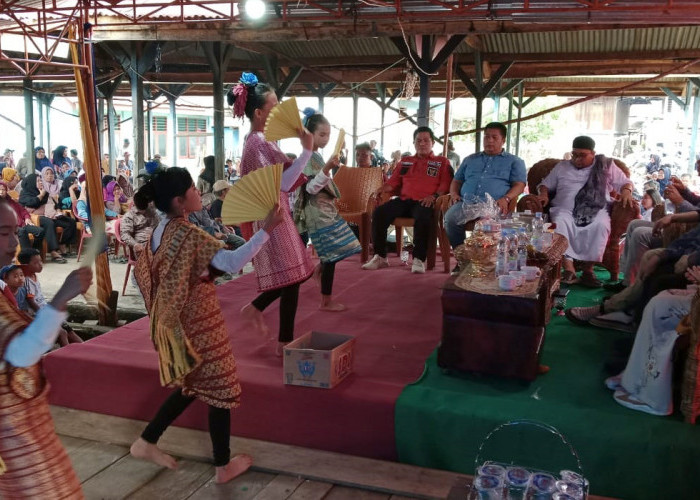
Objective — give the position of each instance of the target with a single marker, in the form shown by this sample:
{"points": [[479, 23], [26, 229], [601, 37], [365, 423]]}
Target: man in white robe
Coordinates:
{"points": [[586, 229]]}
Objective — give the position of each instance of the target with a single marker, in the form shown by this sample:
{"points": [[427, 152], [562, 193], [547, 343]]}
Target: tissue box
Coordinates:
{"points": [[318, 359]]}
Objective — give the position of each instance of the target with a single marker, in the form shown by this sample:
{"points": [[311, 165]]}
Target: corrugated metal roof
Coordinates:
{"points": [[356, 47], [618, 40]]}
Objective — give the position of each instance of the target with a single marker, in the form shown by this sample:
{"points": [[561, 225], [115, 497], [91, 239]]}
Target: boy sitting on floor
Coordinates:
{"points": [[31, 266]]}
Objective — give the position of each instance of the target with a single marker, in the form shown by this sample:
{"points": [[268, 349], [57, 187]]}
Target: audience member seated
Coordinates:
{"points": [[221, 188], [651, 199], [40, 196], [202, 219], [11, 179], [493, 171], [581, 193], [138, 224], [24, 222], [40, 159], [64, 194], [31, 264], [60, 156], [124, 183], [205, 181], [646, 382], [660, 269], [419, 181], [363, 155]]}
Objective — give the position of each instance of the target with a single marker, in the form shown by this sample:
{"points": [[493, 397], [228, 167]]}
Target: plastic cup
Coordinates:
{"points": [[562, 496], [507, 282], [491, 470], [488, 487], [573, 490], [574, 477], [517, 481], [542, 486], [531, 272], [519, 277]]}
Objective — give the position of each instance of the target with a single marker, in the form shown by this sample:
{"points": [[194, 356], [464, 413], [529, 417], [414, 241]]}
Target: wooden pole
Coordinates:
{"points": [[172, 129], [137, 114], [520, 114], [41, 123], [510, 117], [354, 126], [448, 100]]}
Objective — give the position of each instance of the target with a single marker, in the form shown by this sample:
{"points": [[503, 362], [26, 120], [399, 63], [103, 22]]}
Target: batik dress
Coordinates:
{"points": [[187, 327], [316, 213], [35, 463], [283, 260]]}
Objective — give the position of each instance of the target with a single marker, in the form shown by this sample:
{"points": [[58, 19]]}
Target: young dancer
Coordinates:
{"points": [[175, 274], [283, 264], [34, 462], [315, 212]]}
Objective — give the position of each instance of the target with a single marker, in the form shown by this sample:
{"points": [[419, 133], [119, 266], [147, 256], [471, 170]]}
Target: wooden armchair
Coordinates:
{"points": [[620, 216], [356, 203]]}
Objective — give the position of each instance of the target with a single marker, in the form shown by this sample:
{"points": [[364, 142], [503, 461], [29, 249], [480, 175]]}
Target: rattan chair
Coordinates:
{"points": [[620, 216], [356, 203]]}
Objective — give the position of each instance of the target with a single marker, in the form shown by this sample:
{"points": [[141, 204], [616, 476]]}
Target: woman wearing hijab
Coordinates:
{"points": [[64, 194], [11, 179], [39, 196], [25, 226], [40, 159], [205, 183], [60, 156], [126, 186], [114, 199]]}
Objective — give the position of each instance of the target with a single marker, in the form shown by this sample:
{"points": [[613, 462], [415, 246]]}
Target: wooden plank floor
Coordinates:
{"points": [[98, 447], [107, 471]]}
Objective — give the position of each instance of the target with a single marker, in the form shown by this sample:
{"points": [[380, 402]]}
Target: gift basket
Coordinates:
{"points": [[477, 256], [520, 477]]}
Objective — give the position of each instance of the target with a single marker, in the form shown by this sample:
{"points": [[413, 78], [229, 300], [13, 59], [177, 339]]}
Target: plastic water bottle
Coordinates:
{"points": [[670, 207], [523, 242], [404, 256], [512, 251], [537, 230], [502, 255]]}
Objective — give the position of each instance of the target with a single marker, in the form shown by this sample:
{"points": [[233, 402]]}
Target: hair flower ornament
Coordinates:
{"points": [[249, 79], [151, 167]]}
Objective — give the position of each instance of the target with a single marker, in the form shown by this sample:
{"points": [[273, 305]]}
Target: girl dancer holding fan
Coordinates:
{"points": [[315, 212], [283, 264]]}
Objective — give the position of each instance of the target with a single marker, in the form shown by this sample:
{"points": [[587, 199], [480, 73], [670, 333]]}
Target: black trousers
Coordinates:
{"points": [[385, 214], [23, 235], [327, 274], [219, 425], [289, 299], [49, 226]]}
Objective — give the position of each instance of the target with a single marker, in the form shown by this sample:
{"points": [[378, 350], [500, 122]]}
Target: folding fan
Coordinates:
{"points": [[339, 142], [283, 121], [253, 196]]}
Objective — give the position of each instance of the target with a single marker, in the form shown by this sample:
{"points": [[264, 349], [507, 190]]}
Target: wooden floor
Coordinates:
{"points": [[107, 471], [98, 448]]}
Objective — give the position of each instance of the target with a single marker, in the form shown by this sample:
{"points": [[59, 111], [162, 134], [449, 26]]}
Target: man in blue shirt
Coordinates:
{"points": [[493, 171]]}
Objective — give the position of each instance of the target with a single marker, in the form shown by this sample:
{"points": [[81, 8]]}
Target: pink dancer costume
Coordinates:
{"points": [[283, 261]]}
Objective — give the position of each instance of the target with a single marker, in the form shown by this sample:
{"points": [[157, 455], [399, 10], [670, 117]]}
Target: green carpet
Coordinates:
{"points": [[442, 419]]}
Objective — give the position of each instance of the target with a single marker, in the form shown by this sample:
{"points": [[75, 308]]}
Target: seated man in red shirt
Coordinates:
{"points": [[417, 181]]}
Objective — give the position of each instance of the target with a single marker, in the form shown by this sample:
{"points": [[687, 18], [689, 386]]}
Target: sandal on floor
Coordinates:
{"points": [[590, 281], [569, 277], [59, 260]]}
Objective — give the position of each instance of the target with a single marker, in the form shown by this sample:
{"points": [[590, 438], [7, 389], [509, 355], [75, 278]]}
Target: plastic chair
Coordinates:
{"points": [[620, 216], [127, 249], [82, 227], [356, 203]]}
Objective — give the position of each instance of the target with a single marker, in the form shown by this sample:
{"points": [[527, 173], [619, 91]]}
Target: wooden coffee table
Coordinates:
{"points": [[499, 334]]}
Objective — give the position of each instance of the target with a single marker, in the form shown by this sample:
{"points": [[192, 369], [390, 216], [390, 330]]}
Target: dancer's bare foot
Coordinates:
{"points": [[147, 451], [236, 466], [329, 305], [250, 314], [279, 348]]}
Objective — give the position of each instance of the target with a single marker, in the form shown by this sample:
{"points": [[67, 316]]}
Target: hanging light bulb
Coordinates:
{"points": [[254, 9]]}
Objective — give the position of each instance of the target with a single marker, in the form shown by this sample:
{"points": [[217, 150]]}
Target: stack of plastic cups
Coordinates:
{"points": [[517, 482], [573, 485], [489, 482], [542, 486]]}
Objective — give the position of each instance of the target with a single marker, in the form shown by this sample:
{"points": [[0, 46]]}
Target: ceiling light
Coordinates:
{"points": [[254, 9]]}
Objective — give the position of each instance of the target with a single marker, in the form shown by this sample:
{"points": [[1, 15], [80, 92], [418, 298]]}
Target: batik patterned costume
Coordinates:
{"points": [[283, 261], [187, 327], [316, 213], [36, 464]]}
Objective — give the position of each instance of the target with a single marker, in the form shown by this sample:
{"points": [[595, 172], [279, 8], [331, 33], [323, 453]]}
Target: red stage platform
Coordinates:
{"points": [[394, 314]]}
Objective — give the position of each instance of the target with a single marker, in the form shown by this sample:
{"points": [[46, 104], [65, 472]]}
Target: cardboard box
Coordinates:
{"points": [[319, 359]]}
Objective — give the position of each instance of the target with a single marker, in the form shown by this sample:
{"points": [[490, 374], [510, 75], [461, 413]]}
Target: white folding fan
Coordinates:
{"points": [[283, 121], [253, 196], [339, 143]]}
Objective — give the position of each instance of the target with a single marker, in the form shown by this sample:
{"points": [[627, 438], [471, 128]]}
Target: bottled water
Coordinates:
{"points": [[523, 242], [512, 251], [670, 207], [537, 230], [404, 256], [502, 255]]}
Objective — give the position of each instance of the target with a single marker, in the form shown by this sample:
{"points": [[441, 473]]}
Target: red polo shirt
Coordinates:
{"points": [[416, 178]]}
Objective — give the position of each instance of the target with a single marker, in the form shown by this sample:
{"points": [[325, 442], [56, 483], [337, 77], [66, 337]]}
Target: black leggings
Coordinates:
{"points": [[327, 274], [219, 425], [289, 299]]}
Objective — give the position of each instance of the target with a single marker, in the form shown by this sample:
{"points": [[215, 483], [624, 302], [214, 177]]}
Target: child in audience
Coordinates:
{"points": [[13, 278], [31, 266]]}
